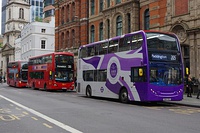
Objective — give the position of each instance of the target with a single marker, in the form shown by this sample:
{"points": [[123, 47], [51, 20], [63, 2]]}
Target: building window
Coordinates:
{"points": [[108, 3], [92, 33], [68, 41], [73, 38], [43, 30], [186, 55], [67, 13], [119, 26], [101, 5], [101, 31], [129, 22], [73, 12], [146, 19], [9, 15], [49, 13], [43, 44], [8, 39], [108, 28], [63, 40], [62, 16], [92, 7], [21, 13], [118, 1]]}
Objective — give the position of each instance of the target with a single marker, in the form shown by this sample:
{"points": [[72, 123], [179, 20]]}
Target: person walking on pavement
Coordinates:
{"points": [[189, 86], [198, 93], [1, 79]]}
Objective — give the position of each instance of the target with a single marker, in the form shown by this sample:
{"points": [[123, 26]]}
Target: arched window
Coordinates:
{"points": [[73, 38], [108, 3], [9, 15], [101, 31], [62, 15], [118, 1], [92, 31], [146, 19], [63, 41], [21, 13], [67, 13], [67, 39], [92, 7], [73, 11], [119, 26], [128, 22], [100, 5], [108, 28]]}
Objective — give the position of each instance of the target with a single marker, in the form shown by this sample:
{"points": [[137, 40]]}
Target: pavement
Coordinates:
{"points": [[188, 101]]}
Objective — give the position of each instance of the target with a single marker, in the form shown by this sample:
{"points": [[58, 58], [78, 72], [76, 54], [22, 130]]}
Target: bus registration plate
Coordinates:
{"points": [[166, 99], [64, 88]]}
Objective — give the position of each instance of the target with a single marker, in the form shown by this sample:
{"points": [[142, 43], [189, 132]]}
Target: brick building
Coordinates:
{"points": [[79, 22]]}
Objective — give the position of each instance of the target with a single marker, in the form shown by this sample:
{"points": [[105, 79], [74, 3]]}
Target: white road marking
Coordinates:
{"points": [[59, 124]]}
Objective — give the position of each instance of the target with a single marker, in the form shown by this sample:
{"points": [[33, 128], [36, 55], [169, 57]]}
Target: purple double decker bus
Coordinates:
{"points": [[139, 66]]}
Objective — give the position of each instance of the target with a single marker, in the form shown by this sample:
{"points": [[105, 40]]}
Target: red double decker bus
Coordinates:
{"points": [[54, 71], [17, 73]]}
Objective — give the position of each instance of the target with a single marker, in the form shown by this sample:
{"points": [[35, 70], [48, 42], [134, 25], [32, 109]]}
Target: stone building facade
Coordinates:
{"points": [[17, 16], [95, 20], [182, 18]]}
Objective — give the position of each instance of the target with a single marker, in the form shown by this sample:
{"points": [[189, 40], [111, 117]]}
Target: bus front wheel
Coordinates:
{"points": [[88, 91], [123, 96]]}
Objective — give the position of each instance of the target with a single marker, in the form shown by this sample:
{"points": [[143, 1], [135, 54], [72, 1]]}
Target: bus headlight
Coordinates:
{"points": [[54, 84]]}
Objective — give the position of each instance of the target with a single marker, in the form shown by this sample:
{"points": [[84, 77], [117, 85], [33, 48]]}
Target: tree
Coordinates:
{"points": [[1, 45], [38, 19]]}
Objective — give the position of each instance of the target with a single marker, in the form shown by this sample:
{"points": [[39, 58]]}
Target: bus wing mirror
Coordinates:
{"points": [[140, 72]]}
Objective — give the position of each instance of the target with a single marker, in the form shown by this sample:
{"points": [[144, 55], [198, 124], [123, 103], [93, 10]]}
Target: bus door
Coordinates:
{"points": [[139, 78]]}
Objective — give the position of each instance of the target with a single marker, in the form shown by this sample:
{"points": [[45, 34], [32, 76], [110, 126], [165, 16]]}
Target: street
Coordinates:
{"points": [[23, 110]]}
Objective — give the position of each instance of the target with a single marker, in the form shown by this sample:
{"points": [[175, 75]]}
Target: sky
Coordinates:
{"points": [[0, 14]]}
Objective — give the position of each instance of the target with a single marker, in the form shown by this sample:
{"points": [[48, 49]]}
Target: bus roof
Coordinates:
{"points": [[19, 61], [53, 53]]}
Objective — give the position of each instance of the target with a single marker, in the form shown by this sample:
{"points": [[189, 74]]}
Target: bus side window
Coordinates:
{"points": [[83, 52], [103, 47], [88, 75], [102, 75], [124, 44], [113, 46], [96, 47], [136, 41], [90, 51]]}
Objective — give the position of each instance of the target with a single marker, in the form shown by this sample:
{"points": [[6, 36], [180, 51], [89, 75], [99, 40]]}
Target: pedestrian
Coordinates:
{"points": [[198, 93], [1, 79], [75, 82], [189, 84]]}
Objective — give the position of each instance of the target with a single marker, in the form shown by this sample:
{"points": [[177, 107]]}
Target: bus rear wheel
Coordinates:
{"points": [[88, 91], [123, 96]]}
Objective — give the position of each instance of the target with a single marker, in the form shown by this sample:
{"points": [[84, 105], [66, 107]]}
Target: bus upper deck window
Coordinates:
{"points": [[113, 46], [83, 53], [136, 41]]}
